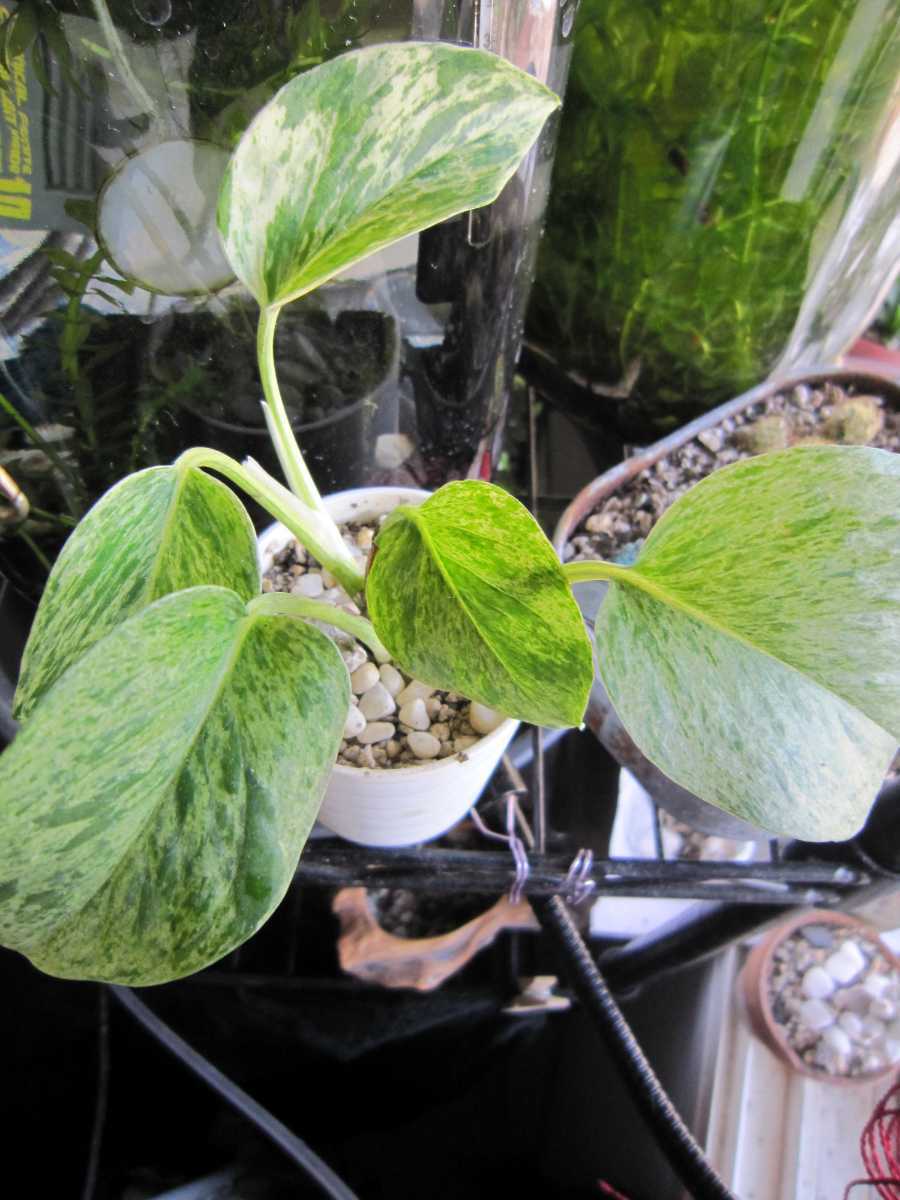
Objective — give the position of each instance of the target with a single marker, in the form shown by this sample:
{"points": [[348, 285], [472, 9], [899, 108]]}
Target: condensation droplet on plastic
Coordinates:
{"points": [[568, 18], [153, 12]]}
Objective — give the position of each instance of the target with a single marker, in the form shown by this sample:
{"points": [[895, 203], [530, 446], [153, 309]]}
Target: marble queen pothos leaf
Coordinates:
{"points": [[467, 594], [753, 650], [153, 810], [368, 148], [155, 532]]}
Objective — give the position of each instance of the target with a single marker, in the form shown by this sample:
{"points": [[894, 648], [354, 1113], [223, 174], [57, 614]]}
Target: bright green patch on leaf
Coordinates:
{"points": [[368, 148], [753, 651], [161, 530], [467, 594], [161, 828]]}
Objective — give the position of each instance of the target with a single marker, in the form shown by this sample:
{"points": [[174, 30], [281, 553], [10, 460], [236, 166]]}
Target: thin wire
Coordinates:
{"points": [[294, 1147], [102, 1103]]}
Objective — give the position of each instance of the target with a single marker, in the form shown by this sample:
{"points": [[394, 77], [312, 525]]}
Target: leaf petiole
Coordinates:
{"points": [[283, 604], [313, 527]]}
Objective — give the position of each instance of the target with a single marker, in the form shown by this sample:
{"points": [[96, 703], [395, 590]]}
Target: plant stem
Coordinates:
{"points": [[289, 454], [312, 527], [35, 550], [596, 568], [41, 443], [281, 604]]}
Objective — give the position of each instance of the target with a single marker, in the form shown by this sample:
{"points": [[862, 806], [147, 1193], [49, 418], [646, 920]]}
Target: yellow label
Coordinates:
{"points": [[15, 140]]}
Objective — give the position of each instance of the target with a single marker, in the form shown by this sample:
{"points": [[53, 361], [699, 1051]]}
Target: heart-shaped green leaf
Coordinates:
{"points": [[161, 530], [153, 809], [753, 651], [368, 148], [467, 594]]}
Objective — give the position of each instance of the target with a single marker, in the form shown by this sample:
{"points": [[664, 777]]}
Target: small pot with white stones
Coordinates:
{"points": [[822, 991], [613, 514], [414, 759]]}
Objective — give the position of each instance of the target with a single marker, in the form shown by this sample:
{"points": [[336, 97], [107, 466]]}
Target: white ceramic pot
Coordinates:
{"points": [[406, 805]]}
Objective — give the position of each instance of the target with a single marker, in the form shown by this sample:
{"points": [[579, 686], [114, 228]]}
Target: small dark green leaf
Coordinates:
{"points": [[753, 651], [467, 594], [161, 530], [153, 810], [374, 145]]}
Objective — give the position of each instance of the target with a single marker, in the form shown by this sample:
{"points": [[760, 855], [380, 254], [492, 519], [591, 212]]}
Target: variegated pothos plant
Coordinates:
{"points": [[179, 726]]}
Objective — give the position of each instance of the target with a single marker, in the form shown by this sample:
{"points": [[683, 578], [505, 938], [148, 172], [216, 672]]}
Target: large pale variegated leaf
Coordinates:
{"points": [[153, 809], [155, 532], [753, 651], [374, 145], [467, 594]]}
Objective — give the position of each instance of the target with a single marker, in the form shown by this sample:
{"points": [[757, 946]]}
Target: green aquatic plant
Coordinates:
{"points": [[706, 154], [179, 726]]}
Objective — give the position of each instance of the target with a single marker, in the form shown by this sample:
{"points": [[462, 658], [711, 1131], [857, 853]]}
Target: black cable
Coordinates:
{"points": [[102, 1102], [677, 1142], [294, 1147]]}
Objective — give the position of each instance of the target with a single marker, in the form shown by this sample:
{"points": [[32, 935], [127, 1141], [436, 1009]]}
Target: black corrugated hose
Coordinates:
{"points": [[675, 1139]]}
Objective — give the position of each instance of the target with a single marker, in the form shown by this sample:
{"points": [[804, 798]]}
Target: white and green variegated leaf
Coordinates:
{"points": [[155, 532], [365, 149], [753, 650], [468, 595], [153, 810]]}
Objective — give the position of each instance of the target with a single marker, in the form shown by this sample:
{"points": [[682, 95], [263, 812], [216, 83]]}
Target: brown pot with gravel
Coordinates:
{"points": [[611, 517], [822, 990], [414, 759]]}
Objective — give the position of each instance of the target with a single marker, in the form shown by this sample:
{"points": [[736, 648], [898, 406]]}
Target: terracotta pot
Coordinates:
{"points": [[376, 956], [601, 717], [412, 804], [753, 987]]}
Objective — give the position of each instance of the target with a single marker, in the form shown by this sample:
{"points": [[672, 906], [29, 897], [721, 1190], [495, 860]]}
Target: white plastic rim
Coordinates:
{"points": [[405, 805]]}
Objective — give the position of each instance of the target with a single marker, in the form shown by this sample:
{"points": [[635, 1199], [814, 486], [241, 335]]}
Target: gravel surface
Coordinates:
{"points": [[803, 415], [393, 720], [834, 993]]}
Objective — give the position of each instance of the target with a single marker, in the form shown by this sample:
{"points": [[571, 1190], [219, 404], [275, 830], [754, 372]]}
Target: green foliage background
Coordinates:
{"points": [[706, 151]]}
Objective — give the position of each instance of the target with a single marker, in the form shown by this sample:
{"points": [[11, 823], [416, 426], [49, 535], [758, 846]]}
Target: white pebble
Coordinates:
{"points": [[391, 678], [432, 707], [364, 677], [415, 691], [892, 1050], [815, 1015], [837, 1039], [354, 658], [309, 585], [872, 1030], [817, 984], [327, 578], [877, 985], [364, 538], [851, 1024], [335, 595], [845, 964], [483, 719], [855, 999], [830, 1059], [884, 1009], [423, 745], [415, 715], [376, 702], [873, 1062], [392, 450], [355, 722], [376, 731]]}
